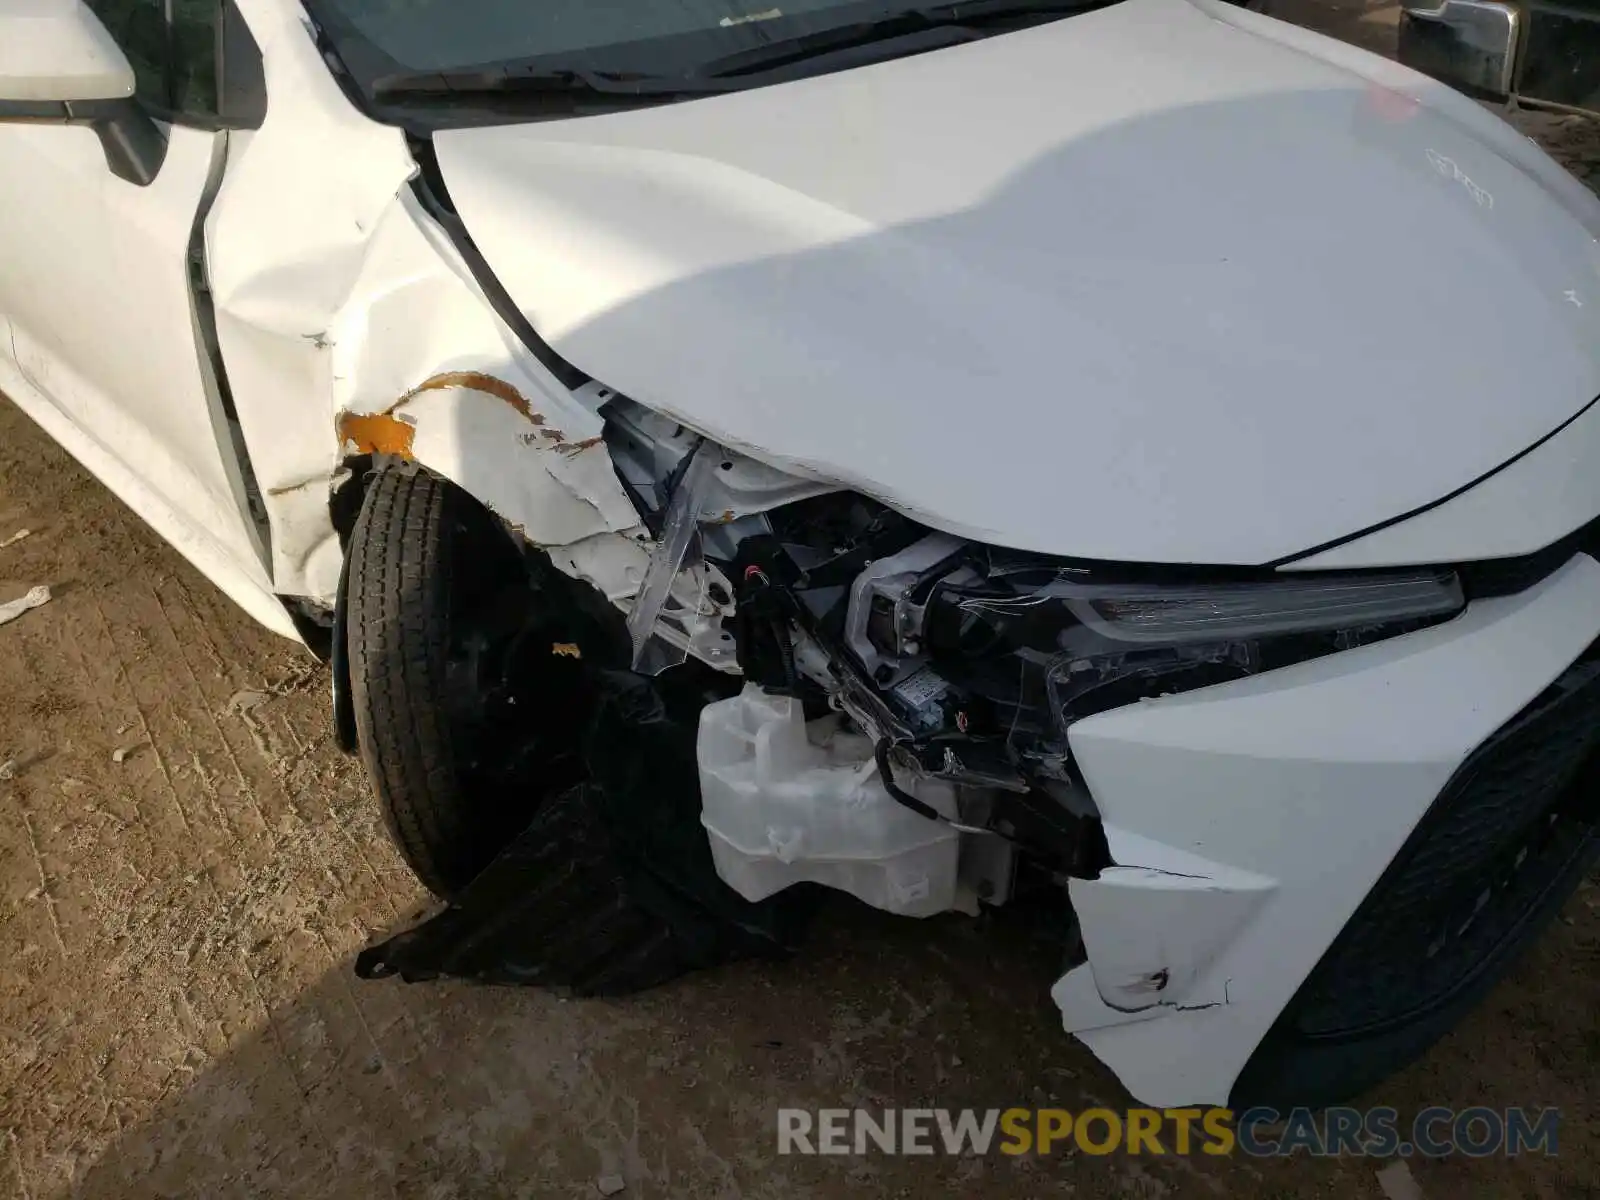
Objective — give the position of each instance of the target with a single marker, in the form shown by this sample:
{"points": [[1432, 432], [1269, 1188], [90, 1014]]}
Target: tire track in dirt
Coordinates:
{"points": [[190, 874]]}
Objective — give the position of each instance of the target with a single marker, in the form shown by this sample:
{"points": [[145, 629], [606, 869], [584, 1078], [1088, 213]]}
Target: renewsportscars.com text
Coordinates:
{"points": [[1376, 1132]]}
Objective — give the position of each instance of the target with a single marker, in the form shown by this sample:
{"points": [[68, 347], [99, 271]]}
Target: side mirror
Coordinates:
{"points": [[58, 65], [1469, 44], [57, 51]]}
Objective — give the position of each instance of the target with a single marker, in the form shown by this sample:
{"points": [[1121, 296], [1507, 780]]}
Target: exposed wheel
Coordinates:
{"points": [[464, 716]]}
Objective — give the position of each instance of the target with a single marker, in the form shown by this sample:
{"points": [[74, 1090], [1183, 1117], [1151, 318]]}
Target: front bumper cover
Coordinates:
{"points": [[1249, 820]]}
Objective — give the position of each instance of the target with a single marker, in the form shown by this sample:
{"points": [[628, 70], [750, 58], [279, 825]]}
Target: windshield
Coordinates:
{"points": [[390, 47]]}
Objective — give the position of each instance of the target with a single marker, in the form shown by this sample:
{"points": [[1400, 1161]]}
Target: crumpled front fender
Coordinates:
{"points": [[350, 325]]}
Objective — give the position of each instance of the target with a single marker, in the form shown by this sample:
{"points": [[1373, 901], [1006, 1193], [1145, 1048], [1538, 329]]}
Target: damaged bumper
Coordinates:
{"points": [[1220, 774], [1248, 822]]}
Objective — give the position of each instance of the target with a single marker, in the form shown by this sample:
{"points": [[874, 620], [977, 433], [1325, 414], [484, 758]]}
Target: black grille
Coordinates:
{"points": [[1514, 822]]}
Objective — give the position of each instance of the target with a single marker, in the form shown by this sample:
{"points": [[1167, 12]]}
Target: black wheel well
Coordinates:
{"points": [[344, 505]]}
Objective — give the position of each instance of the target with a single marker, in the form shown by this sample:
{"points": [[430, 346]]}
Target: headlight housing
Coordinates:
{"points": [[1305, 604], [1013, 648]]}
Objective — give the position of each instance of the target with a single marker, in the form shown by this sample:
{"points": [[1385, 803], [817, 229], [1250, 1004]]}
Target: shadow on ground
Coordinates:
{"points": [[451, 1090]]}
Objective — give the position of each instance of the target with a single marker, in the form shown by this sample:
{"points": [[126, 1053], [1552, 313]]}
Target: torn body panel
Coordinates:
{"points": [[1151, 931], [553, 483]]}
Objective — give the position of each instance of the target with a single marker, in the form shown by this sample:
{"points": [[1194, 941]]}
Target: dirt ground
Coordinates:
{"points": [[178, 1015]]}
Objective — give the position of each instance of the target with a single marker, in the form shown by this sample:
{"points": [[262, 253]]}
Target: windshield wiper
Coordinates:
{"points": [[514, 79], [934, 26]]}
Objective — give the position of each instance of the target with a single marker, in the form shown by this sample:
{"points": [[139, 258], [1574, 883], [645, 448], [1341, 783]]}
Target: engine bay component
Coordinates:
{"points": [[882, 624], [670, 563], [786, 801], [943, 666]]}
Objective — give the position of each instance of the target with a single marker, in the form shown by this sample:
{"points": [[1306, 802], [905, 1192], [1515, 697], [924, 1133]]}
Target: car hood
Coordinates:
{"points": [[1140, 284]]}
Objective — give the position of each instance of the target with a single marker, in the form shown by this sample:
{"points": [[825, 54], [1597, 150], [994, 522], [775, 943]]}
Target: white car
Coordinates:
{"points": [[1140, 457]]}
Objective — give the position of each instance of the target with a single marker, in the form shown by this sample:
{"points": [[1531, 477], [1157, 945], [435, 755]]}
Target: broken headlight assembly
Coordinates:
{"points": [[987, 656], [970, 661]]}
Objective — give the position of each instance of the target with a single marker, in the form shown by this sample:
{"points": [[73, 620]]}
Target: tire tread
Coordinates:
{"points": [[397, 641]]}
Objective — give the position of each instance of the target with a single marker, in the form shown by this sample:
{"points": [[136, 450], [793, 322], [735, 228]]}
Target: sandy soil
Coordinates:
{"points": [[178, 1014]]}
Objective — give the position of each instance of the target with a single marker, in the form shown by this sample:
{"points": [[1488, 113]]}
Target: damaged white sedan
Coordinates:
{"points": [[1140, 457]]}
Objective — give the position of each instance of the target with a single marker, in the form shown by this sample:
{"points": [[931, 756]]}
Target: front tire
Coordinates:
{"points": [[440, 614]]}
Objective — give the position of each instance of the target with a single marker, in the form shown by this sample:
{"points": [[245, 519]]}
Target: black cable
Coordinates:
{"points": [[886, 774], [669, 485], [780, 635]]}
